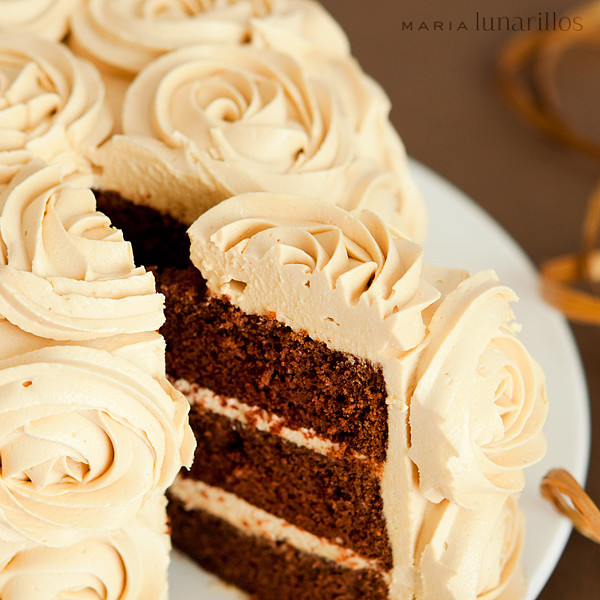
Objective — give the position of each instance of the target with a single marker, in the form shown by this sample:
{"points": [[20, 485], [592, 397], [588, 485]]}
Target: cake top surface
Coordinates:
{"points": [[127, 35], [48, 19], [209, 121]]}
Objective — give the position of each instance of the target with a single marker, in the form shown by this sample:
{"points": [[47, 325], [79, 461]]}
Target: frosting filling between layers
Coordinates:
{"points": [[314, 492], [276, 571], [258, 418], [196, 495]]}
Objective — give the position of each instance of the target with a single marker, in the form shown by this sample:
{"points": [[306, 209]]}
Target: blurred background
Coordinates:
{"points": [[441, 78]]}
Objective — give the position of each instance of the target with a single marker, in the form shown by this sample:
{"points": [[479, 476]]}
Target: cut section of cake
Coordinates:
{"points": [[326, 389]]}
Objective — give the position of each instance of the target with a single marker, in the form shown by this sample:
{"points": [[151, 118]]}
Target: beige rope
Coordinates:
{"points": [[570, 499], [536, 99]]}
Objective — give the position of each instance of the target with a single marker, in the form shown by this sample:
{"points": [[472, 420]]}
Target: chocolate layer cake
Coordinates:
{"points": [[302, 337]]}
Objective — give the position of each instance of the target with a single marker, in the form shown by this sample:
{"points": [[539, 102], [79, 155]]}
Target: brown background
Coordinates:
{"points": [[451, 117]]}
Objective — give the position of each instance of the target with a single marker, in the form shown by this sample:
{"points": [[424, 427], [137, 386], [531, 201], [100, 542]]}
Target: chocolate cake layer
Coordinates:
{"points": [[264, 363], [272, 571], [335, 497], [254, 358], [157, 240]]}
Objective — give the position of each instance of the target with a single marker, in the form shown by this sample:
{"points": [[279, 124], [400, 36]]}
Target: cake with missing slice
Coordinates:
{"points": [[362, 420]]}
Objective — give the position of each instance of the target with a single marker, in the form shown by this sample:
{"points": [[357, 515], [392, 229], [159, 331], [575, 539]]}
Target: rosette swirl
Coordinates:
{"points": [[128, 35], [65, 273], [129, 564], [52, 106], [477, 411], [207, 122], [87, 439], [301, 28], [471, 554], [47, 19], [343, 277]]}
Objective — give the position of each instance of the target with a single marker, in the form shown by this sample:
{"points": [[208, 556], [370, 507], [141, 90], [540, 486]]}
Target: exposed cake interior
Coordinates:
{"points": [[269, 414], [302, 471]]}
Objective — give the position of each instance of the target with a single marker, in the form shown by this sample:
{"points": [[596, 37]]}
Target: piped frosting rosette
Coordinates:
{"points": [[128, 564], [463, 553], [52, 106], [129, 34], [47, 19], [65, 273], [364, 101], [207, 122], [343, 277], [480, 401], [87, 438]]}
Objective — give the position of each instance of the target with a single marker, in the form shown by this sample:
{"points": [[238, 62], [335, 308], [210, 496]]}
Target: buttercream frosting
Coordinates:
{"points": [[345, 278], [197, 495], [65, 273], [127, 35], [87, 437], [209, 121], [52, 106], [127, 564], [474, 554], [47, 19], [302, 28], [480, 402]]}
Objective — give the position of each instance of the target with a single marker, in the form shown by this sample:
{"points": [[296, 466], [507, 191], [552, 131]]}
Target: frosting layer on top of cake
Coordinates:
{"points": [[344, 278], [206, 122], [65, 273], [52, 106]]}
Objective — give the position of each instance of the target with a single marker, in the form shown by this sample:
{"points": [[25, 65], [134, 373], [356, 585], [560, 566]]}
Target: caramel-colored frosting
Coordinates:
{"points": [[474, 554], [52, 106], [65, 273], [301, 28], [87, 437], [127, 564], [480, 401], [343, 277], [48, 19], [127, 35], [207, 122]]}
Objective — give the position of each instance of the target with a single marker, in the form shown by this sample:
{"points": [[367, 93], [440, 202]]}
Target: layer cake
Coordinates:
{"points": [[362, 420]]}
